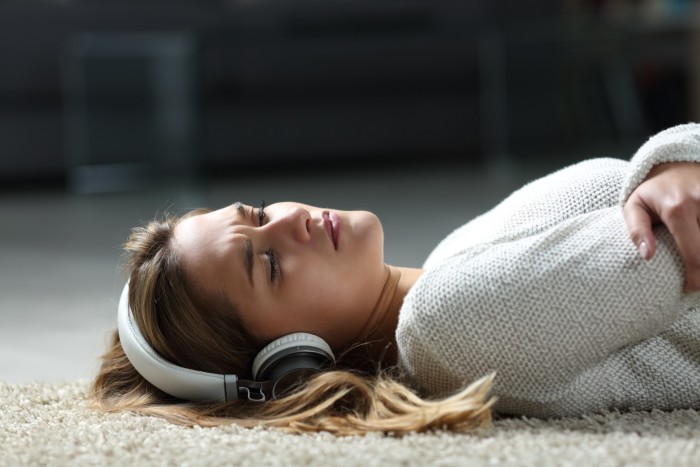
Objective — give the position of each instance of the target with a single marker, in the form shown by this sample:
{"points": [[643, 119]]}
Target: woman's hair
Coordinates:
{"points": [[205, 333]]}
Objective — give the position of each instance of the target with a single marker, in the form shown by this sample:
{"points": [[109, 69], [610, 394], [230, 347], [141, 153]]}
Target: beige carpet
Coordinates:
{"points": [[50, 424]]}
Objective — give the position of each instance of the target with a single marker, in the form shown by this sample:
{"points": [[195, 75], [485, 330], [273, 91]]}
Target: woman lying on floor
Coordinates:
{"points": [[563, 291]]}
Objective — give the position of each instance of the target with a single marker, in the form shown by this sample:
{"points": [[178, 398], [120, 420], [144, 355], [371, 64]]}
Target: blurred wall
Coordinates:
{"points": [[356, 82]]}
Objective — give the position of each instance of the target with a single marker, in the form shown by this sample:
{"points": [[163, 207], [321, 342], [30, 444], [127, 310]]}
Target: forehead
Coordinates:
{"points": [[208, 238], [195, 231], [212, 254], [206, 225]]}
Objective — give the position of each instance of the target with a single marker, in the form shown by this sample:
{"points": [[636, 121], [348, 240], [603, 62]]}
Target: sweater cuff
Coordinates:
{"points": [[677, 144]]}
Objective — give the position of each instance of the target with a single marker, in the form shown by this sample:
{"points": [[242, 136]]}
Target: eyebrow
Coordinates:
{"points": [[248, 258], [247, 246], [239, 208]]}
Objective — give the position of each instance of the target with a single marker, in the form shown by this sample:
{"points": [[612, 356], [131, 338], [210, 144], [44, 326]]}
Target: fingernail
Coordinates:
{"points": [[644, 250]]}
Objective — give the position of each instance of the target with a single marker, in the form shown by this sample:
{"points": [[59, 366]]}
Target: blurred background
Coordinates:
{"points": [[425, 112]]}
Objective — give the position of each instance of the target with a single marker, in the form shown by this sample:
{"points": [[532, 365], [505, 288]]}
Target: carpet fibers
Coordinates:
{"points": [[51, 424]]}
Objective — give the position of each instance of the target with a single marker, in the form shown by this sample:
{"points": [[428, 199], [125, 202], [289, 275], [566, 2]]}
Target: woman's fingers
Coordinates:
{"points": [[681, 219], [639, 219], [669, 195]]}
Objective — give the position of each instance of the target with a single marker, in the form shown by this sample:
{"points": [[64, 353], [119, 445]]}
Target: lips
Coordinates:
{"points": [[331, 222]]}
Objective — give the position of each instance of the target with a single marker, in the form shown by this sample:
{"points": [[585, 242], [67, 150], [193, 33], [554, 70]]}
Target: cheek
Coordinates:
{"points": [[323, 291], [330, 303]]}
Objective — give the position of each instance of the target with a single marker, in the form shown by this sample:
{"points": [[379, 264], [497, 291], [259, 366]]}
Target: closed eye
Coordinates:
{"points": [[274, 265]]}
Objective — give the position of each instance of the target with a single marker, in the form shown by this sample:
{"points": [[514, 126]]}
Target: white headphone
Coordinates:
{"points": [[282, 363]]}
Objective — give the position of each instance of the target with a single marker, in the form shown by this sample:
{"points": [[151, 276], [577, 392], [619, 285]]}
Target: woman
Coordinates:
{"points": [[546, 290]]}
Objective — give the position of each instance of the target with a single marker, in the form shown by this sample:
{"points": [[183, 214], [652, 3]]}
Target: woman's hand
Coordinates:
{"points": [[670, 195]]}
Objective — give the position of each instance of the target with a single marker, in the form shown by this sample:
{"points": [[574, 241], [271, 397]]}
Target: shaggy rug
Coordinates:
{"points": [[51, 424]]}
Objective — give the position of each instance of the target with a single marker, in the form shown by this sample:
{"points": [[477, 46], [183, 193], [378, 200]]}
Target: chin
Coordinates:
{"points": [[368, 223], [367, 227]]}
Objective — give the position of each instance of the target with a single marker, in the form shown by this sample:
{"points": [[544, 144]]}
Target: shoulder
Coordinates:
{"points": [[582, 187], [424, 335]]}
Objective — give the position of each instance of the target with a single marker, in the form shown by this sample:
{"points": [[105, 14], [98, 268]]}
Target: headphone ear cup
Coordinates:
{"points": [[291, 353]]}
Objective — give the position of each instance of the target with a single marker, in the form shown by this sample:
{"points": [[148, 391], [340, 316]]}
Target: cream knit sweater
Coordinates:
{"points": [[547, 290]]}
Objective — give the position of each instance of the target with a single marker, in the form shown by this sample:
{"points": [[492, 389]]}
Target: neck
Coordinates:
{"points": [[380, 330]]}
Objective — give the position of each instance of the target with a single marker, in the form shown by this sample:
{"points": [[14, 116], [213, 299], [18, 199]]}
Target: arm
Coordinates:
{"points": [[542, 309]]}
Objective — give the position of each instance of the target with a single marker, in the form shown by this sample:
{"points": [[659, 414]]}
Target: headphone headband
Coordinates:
{"points": [[175, 380], [195, 385]]}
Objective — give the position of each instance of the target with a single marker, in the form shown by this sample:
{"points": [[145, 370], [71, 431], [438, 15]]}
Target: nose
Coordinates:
{"points": [[295, 223]]}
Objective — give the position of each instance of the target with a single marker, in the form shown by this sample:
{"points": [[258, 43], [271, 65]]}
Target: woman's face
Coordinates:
{"points": [[288, 268]]}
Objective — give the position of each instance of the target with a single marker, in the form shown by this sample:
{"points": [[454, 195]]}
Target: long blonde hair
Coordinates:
{"points": [[342, 401]]}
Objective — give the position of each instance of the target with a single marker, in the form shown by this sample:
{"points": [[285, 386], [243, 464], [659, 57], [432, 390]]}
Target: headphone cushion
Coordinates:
{"points": [[297, 339]]}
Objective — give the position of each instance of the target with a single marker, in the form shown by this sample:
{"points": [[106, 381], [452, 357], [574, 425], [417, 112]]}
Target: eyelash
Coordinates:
{"points": [[271, 255], [274, 265]]}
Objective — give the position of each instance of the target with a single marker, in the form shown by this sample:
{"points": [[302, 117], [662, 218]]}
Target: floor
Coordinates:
{"points": [[59, 252]]}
